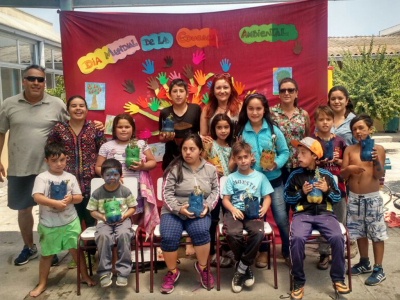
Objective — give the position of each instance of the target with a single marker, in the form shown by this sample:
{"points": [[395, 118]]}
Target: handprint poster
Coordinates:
{"points": [[95, 95], [138, 55]]}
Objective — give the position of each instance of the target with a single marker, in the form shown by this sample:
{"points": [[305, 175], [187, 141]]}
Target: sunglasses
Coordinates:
{"points": [[290, 91], [34, 78]]}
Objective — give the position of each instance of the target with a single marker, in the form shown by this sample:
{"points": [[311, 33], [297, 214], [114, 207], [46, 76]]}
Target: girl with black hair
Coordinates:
{"points": [[339, 101], [255, 127], [188, 173]]}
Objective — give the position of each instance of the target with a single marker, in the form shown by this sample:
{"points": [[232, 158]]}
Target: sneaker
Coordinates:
{"points": [[262, 260], [167, 287], [297, 291], [231, 255], [72, 264], [376, 277], [106, 280], [54, 260], [361, 268], [323, 263], [341, 287], [122, 281], [238, 282], [26, 255], [249, 278], [204, 276], [224, 262]]}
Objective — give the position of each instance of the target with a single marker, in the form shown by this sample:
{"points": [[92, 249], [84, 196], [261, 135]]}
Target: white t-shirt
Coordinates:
{"points": [[49, 216], [112, 149]]}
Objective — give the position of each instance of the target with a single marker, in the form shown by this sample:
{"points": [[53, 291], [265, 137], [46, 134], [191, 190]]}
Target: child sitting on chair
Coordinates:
{"points": [[312, 192], [242, 184], [120, 232]]}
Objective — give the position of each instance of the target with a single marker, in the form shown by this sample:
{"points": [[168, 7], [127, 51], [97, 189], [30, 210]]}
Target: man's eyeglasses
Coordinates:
{"points": [[34, 78], [290, 91]]}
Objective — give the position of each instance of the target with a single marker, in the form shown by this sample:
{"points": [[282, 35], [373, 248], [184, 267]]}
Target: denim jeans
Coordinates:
{"points": [[281, 218]]}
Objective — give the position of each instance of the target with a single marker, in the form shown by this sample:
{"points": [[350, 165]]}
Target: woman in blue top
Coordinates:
{"points": [[339, 101], [255, 127]]}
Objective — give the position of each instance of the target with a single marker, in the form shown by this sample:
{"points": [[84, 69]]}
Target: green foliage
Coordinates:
{"points": [[59, 90], [373, 82]]}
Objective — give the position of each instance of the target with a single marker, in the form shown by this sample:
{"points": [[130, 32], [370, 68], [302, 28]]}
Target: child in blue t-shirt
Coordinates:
{"points": [[241, 192]]}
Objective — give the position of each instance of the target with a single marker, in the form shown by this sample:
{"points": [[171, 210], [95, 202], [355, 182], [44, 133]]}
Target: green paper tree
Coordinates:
{"points": [[94, 90]]}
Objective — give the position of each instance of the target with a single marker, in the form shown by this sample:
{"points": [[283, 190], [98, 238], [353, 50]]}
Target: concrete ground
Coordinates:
{"points": [[16, 282]]}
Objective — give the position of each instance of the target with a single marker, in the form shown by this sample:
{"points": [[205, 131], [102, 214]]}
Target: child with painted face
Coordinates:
{"points": [[123, 132], [57, 216], [112, 193], [243, 187], [187, 174], [256, 128], [365, 205], [312, 192]]}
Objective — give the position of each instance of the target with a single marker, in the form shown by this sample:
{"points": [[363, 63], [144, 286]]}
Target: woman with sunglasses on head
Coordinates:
{"points": [[293, 121], [223, 100]]}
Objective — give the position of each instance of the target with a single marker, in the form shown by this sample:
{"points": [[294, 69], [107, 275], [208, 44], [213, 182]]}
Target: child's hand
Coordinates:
{"points": [[321, 185], [355, 170], [273, 168], [262, 212], [60, 204], [204, 212], [206, 139], [137, 166], [335, 157], [123, 217], [307, 187], [185, 212], [220, 172], [68, 199], [168, 137], [237, 214], [374, 154]]}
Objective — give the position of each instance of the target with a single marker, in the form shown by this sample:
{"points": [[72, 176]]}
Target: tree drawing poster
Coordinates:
{"points": [[95, 95]]}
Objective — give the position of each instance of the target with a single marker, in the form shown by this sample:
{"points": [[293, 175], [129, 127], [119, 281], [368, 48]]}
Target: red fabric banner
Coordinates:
{"points": [[254, 40], [113, 58]]}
